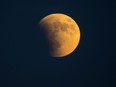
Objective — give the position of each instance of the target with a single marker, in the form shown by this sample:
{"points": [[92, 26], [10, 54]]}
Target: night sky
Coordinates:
{"points": [[24, 61]]}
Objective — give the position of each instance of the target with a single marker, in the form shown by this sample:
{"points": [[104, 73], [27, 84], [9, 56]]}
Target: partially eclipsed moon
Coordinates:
{"points": [[62, 33]]}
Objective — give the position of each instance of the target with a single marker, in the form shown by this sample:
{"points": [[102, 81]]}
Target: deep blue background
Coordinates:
{"points": [[24, 61]]}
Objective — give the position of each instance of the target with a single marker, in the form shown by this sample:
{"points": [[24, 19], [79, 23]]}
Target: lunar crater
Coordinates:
{"points": [[60, 26], [69, 20]]}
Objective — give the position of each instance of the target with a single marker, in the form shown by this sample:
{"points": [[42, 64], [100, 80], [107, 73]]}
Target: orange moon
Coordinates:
{"points": [[62, 33]]}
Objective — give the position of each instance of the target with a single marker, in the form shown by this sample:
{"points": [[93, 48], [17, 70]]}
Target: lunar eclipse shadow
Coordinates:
{"points": [[43, 45]]}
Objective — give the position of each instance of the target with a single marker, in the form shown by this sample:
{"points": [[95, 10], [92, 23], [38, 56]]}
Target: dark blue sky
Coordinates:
{"points": [[24, 61]]}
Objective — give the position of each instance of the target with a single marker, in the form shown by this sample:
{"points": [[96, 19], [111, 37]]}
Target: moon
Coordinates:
{"points": [[62, 34]]}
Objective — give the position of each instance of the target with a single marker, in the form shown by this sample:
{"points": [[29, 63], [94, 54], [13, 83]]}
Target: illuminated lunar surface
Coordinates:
{"points": [[62, 34]]}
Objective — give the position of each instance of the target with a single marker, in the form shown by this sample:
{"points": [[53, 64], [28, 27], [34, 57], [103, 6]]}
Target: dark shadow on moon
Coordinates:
{"points": [[54, 45], [43, 42], [49, 39]]}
